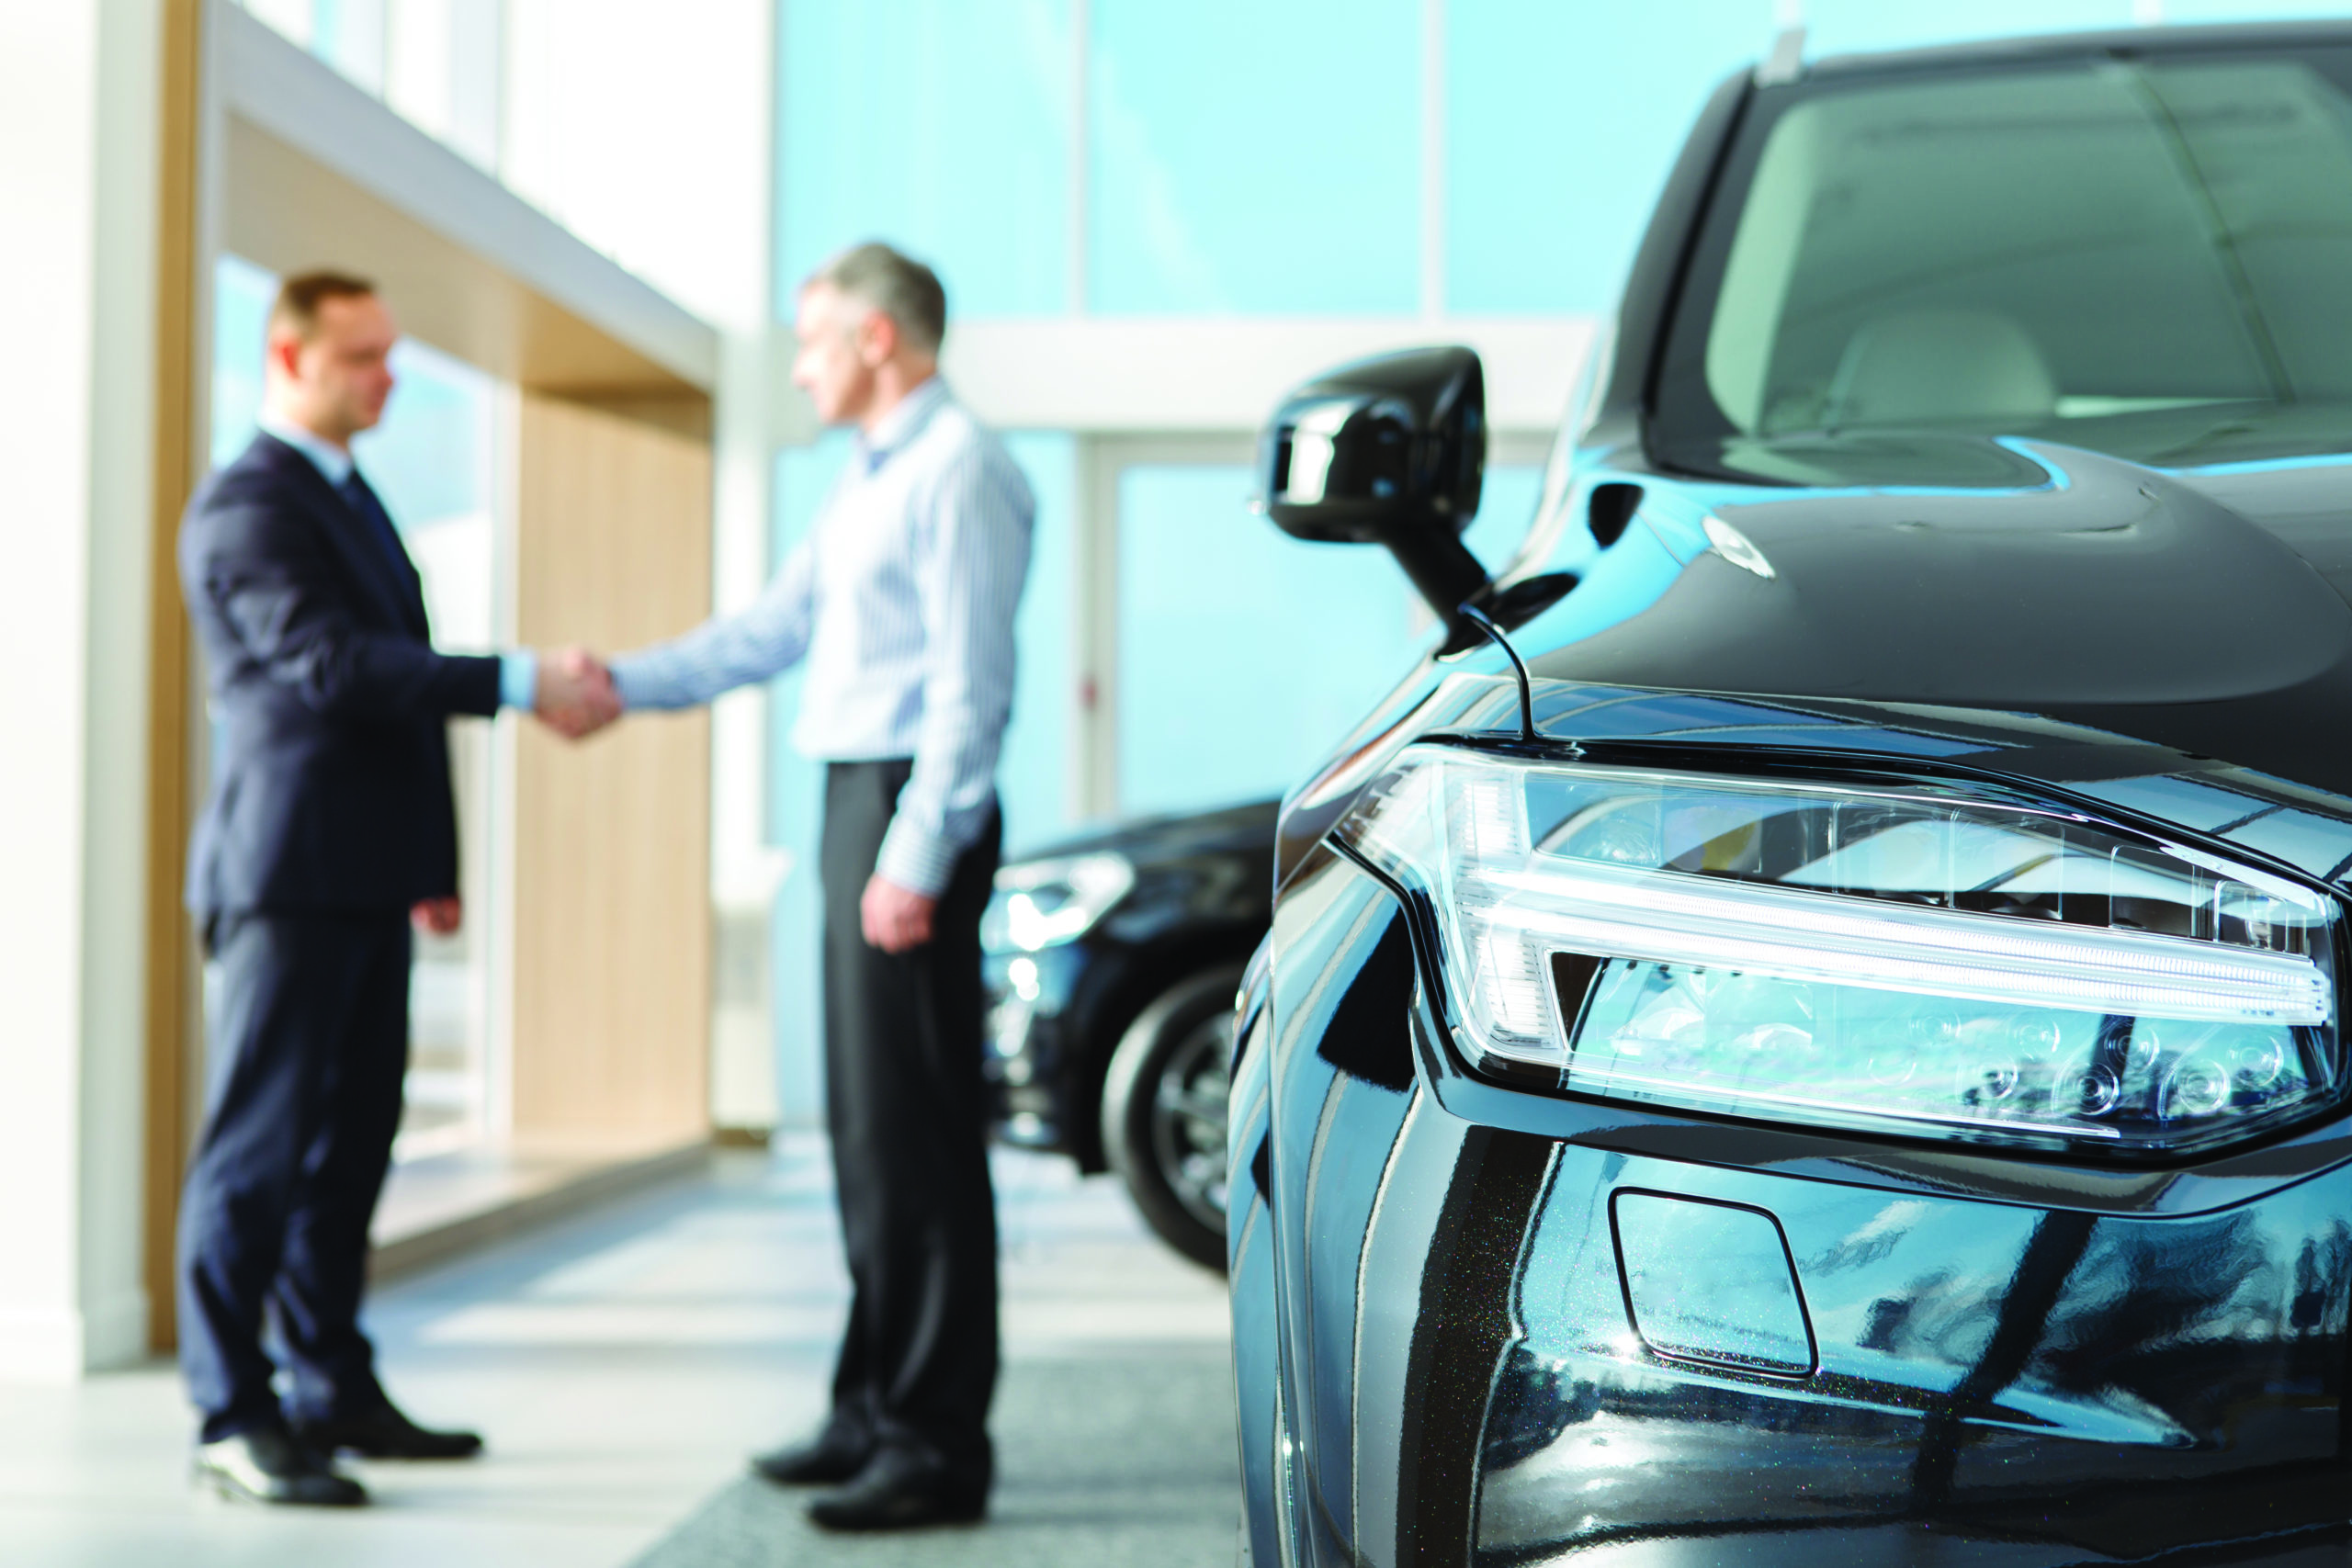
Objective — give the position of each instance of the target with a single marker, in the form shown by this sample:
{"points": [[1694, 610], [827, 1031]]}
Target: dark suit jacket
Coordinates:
{"points": [[331, 764]]}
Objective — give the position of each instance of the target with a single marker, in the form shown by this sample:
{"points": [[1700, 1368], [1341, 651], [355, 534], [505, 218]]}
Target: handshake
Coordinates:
{"points": [[576, 696]]}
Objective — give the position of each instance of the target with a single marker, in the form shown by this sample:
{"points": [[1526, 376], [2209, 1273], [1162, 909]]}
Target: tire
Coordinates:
{"points": [[1163, 1112]]}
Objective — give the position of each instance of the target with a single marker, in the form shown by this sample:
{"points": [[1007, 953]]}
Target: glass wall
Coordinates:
{"points": [[1241, 652], [1284, 157], [1244, 653], [432, 461], [967, 166], [1839, 26], [1560, 123], [1247, 158]]}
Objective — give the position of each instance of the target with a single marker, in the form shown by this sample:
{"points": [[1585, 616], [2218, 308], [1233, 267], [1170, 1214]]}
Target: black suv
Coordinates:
{"points": [[1810, 1028], [1112, 961]]}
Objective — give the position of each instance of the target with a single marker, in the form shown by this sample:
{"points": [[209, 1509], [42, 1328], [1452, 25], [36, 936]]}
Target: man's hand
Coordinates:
{"points": [[895, 919], [438, 917], [576, 695]]}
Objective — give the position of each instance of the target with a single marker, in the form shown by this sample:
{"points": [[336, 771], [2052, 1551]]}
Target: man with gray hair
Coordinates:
{"points": [[901, 601]]}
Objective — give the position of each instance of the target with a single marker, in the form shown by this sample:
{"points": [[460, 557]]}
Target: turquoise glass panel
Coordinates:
{"points": [[241, 297], [1561, 124], [1033, 775], [2189, 12], [941, 126], [1845, 27], [1252, 158], [1243, 654]]}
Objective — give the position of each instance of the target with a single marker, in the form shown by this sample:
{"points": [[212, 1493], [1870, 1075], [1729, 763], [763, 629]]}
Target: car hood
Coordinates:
{"points": [[1152, 841], [2203, 611]]}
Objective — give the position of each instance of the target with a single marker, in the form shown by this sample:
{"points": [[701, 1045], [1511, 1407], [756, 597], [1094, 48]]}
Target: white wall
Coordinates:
{"points": [[78, 128]]}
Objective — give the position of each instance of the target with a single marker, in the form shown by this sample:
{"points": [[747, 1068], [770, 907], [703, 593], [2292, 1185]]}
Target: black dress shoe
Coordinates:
{"points": [[384, 1433], [900, 1490], [266, 1465], [833, 1458]]}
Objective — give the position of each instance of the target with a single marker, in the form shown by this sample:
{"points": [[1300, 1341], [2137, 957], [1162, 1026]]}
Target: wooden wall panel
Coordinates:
{"points": [[612, 946]]}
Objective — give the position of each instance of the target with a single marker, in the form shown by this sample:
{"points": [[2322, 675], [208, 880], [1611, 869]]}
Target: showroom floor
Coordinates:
{"points": [[623, 1366]]}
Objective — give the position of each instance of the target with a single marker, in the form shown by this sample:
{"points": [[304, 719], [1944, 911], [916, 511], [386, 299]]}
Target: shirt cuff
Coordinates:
{"points": [[518, 679], [618, 669], [915, 860]]}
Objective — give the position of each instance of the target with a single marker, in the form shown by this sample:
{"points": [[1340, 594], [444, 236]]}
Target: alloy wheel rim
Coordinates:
{"points": [[1188, 1114]]}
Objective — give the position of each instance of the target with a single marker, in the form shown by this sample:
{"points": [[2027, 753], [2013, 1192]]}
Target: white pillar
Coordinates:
{"points": [[79, 104], [745, 871]]}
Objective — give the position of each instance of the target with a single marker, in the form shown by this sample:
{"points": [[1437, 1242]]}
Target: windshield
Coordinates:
{"points": [[2148, 257]]}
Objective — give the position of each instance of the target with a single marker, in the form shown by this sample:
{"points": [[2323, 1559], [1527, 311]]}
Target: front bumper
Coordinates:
{"points": [[2060, 1384], [1477, 1351], [1034, 1044], [1024, 1052]]}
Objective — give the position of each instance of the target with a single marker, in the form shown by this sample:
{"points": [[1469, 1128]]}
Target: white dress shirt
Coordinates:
{"points": [[901, 601]]}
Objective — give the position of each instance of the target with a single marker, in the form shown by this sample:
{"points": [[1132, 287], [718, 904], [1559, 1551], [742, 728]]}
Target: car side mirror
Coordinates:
{"points": [[1386, 451]]}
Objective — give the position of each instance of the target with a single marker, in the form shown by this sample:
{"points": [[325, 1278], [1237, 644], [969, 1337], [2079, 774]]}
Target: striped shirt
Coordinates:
{"points": [[901, 600]]}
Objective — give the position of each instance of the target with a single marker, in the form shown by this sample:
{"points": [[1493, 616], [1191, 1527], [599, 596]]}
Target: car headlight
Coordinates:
{"points": [[1040, 903], [1914, 959]]}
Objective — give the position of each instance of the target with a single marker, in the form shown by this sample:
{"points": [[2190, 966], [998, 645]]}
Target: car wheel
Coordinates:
{"points": [[1163, 1112]]}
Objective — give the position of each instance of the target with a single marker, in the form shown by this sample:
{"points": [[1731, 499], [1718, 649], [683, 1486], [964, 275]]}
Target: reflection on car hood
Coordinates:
{"points": [[2204, 611], [1149, 840]]}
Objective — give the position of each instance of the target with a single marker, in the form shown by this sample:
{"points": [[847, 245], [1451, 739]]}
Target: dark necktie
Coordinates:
{"points": [[379, 523]]}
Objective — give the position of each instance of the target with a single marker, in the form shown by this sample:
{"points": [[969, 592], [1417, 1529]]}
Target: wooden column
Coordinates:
{"points": [[612, 936], [174, 977]]}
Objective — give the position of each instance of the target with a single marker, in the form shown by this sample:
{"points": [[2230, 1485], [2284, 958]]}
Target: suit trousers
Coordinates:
{"points": [[310, 1044], [907, 1108]]}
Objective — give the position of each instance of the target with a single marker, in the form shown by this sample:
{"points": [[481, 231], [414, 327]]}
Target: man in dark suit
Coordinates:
{"points": [[331, 827]]}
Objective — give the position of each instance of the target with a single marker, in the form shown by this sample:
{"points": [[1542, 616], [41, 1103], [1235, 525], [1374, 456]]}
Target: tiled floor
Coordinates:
{"points": [[623, 1365]]}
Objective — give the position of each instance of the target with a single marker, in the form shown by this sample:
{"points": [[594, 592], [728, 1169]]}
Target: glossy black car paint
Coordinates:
{"points": [[1202, 898], [2014, 1360]]}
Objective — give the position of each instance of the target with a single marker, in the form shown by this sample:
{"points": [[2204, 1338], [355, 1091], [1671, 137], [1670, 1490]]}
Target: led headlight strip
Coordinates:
{"points": [[1797, 935]]}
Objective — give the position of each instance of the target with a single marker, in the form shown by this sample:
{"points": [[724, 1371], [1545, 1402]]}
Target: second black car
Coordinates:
{"points": [[1112, 964]]}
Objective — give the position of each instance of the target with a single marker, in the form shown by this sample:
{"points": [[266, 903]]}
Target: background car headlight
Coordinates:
{"points": [[1911, 960], [1040, 903]]}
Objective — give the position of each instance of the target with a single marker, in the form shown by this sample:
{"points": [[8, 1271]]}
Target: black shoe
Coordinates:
{"points": [[266, 1465], [384, 1433], [835, 1457], [898, 1490]]}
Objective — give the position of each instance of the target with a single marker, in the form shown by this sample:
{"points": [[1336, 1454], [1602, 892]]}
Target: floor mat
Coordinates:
{"points": [[1122, 1460]]}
